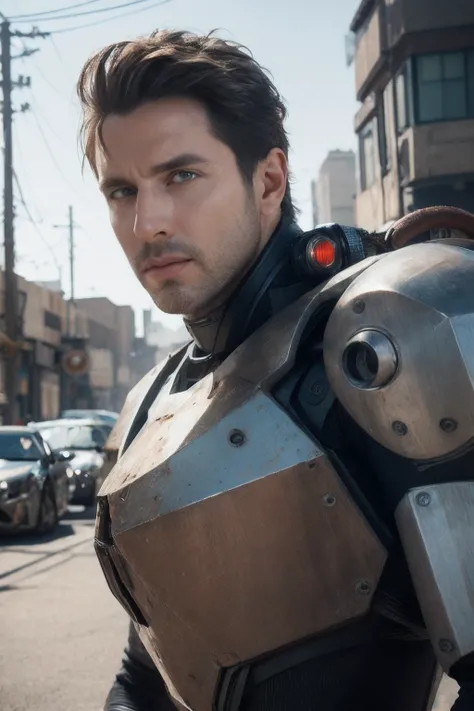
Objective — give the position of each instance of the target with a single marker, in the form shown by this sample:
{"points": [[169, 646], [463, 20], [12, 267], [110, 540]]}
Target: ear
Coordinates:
{"points": [[270, 181]]}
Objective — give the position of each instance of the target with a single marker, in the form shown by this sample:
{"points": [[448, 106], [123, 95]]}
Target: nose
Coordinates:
{"points": [[153, 216]]}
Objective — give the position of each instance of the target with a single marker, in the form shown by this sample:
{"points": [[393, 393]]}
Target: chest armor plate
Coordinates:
{"points": [[227, 525]]}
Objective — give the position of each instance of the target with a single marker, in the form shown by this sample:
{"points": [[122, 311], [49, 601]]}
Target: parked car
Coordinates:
{"points": [[85, 439], [104, 415], [34, 481]]}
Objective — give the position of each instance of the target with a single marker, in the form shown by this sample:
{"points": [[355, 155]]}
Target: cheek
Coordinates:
{"points": [[209, 212], [122, 222]]}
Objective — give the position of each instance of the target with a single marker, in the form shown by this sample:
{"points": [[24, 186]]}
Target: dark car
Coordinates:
{"points": [[104, 415], [85, 439], [34, 481]]}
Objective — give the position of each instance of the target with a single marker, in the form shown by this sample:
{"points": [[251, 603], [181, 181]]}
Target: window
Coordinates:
{"points": [[401, 100], [367, 151], [19, 446], [383, 132], [470, 84], [85, 437], [444, 86], [52, 320]]}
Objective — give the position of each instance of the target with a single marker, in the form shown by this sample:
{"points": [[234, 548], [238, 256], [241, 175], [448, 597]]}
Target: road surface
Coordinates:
{"points": [[61, 630]]}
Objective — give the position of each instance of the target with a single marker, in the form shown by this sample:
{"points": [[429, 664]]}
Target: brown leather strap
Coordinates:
{"points": [[416, 223]]}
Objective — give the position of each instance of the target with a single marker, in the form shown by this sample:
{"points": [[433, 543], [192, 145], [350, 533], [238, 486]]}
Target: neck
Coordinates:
{"points": [[269, 286]]}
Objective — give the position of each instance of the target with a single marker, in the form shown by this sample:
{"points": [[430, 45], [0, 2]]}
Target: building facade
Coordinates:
{"points": [[42, 318], [52, 334], [161, 339], [414, 72], [111, 349], [333, 193]]}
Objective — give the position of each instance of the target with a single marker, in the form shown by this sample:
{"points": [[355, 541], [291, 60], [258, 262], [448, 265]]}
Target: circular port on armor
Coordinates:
{"points": [[370, 360]]}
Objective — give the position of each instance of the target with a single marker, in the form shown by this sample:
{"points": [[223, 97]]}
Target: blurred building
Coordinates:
{"points": [[111, 348], [42, 313], [157, 343], [81, 355], [333, 193], [162, 339], [414, 71]]}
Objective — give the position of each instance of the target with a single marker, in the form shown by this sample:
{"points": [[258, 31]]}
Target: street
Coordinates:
{"points": [[61, 630]]}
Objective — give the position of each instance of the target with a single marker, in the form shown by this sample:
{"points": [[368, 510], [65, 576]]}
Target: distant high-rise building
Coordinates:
{"points": [[333, 193]]}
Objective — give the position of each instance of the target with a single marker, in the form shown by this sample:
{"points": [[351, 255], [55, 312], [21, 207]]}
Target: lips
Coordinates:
{"points": [[164, 268], [153, 264]]}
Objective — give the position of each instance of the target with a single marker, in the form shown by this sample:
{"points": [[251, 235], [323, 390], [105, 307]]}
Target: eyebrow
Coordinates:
{"points": [[181, 161]]}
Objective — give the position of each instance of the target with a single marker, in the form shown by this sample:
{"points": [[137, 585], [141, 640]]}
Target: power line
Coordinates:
{"points": [[55, 89], [19, 153], [55, 162], [33, 222], [40, 115], [56, 49], [27, 54], [109, 19], [53, 12], [58, 167], [53, 157], [51, 153], [29, 18]]}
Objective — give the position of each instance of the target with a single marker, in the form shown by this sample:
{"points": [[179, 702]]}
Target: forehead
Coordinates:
{"points": [[155, 132]]}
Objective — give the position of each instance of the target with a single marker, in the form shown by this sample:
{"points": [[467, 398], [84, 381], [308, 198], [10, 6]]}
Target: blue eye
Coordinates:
{"points": [[183, 176], [120, 193]]}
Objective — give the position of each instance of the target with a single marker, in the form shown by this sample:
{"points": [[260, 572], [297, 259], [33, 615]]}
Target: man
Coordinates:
{"points": [[216, 529]]}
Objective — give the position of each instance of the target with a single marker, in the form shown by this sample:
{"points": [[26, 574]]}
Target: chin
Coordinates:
{"points": [[175, 301]]}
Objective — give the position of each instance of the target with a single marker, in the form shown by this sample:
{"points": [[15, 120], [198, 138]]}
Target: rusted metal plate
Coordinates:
{"points": [[134, 398], [236, 532], [251, 570], [234, 550]]}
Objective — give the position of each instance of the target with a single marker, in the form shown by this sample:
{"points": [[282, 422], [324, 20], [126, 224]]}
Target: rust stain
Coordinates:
{"points": [[164, 470], [164, 418]]}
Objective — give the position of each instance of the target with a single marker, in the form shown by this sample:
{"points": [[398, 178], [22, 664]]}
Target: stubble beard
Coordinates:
{"points": [[220, 280]]}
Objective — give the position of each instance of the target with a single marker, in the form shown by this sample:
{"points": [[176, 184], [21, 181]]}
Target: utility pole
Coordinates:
{"points": [[10, 301], [71, 225], [11, 315], [71, 260]]}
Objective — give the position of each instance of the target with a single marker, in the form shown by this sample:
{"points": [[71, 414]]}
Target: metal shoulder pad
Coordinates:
{"points": [[398, 350], [399, 356], [436, 524]]}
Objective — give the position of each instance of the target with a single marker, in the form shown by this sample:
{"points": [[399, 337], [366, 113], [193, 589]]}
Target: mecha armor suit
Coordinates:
{"points": [[289, 523]]}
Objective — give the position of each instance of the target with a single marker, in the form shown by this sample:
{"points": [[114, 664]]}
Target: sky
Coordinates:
{"points": [[301, 42]]}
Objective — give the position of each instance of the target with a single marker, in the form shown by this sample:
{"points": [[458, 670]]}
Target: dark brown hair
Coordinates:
{"points": [[245, 110]]}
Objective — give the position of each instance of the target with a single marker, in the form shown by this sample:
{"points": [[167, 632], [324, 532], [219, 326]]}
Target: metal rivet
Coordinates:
{"points": [[237, 438], [446, 646], [358, 306], [317, 389], [329, 500], [423, 499], [399, 428], [363, 587], [448, 425]]}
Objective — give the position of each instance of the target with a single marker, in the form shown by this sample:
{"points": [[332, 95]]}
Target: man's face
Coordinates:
{"points": [[186, 220]]}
